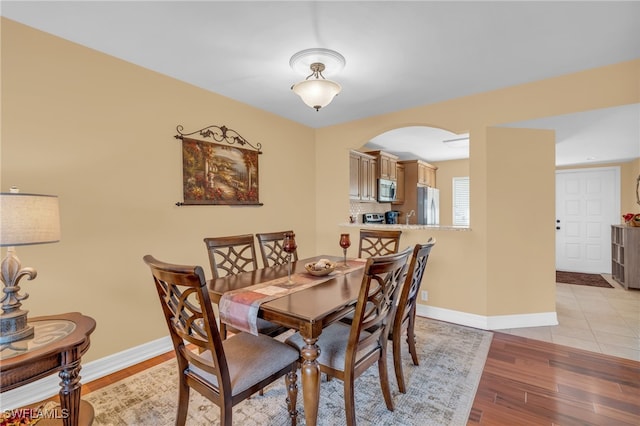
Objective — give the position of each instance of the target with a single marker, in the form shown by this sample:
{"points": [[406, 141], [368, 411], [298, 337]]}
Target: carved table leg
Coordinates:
{"points": [[310, 380], [70, 389]]}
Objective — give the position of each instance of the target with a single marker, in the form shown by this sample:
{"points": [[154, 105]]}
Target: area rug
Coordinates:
{"points": [[440, 391], [579, 278]]}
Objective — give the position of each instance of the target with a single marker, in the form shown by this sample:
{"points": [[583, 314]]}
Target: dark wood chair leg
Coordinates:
{"points": [[226, 414], [397, 362], [349, 400], [183, 402], [291, 381], [384, 380], [411, 340]]}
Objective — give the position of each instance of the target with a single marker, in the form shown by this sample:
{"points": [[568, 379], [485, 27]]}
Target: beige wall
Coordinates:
{"points": [[520, 175], [465, 268], [98, 132], [629, 174]]}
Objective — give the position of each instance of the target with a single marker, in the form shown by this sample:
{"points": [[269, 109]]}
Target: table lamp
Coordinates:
{"points": [[25, 219]]}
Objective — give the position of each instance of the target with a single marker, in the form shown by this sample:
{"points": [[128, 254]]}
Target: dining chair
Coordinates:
{"points": [[347, 351], [230, 256], [272, 250], [378, 242], [405, 315], [224, 371]]}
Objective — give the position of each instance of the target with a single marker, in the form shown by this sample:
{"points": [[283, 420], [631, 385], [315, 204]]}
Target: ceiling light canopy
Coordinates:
{"points": [[316, 91]]}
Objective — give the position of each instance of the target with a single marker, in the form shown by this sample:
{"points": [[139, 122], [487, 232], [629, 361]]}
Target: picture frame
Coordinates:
{"points": [[219, 173]]}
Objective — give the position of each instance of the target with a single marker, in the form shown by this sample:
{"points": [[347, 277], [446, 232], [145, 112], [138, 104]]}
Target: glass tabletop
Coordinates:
{"points": [[45, 332]]}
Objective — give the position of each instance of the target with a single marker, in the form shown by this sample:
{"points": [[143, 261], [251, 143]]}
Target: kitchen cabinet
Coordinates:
{"points": [[418, 172], [386, 164], [625, 255], [415, 173], [426, 174], [354, 176], [399, 184], [362, 177]]}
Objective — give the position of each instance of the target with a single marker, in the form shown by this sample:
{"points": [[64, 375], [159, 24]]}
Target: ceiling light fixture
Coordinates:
{"points": [[316, 91]]}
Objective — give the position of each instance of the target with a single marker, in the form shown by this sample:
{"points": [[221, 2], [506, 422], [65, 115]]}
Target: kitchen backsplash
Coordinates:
{"points": [[357, 209]]}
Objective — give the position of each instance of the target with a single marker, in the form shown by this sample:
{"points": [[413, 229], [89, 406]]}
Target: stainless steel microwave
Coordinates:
{"points": [[386, 191]]}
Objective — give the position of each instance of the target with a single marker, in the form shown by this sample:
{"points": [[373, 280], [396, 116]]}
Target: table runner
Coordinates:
{"points": [[239, 308]]}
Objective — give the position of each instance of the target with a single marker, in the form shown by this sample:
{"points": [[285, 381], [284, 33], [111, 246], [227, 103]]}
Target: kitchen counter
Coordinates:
{"points": [[402, 226]]}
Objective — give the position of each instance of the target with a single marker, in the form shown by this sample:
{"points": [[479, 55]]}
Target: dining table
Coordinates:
{"points": [[308, 310]]}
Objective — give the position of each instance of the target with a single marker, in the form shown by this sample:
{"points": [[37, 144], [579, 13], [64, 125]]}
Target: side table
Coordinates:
{"points": [[58, 344]]}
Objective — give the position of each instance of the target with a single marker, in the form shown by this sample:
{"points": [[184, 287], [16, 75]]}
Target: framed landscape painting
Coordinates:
{"points": [[219, 174]]}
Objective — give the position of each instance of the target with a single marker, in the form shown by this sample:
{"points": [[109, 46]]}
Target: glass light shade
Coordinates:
{"points": [[317, 93], [28, 219]]}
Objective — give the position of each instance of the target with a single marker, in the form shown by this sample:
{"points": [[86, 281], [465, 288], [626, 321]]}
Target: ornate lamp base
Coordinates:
{"points": [[13, 326], [13, 321]]}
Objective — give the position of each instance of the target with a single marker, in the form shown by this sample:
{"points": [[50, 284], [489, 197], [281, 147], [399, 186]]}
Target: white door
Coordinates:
{"points": [[587, 204]]}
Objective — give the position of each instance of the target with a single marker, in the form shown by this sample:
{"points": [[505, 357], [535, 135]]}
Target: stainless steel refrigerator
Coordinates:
{"points": [[428, 206]]}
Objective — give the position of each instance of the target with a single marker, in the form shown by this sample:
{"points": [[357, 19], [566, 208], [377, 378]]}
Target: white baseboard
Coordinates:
{"points": [[495, 322], [50, 385]]}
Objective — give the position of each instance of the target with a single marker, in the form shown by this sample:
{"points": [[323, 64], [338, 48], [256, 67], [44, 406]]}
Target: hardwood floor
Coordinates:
{"points": [[119, 375], [531, 382]]}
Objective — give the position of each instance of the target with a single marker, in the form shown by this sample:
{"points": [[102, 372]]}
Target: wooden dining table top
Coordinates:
{"points": [[308, 310]]}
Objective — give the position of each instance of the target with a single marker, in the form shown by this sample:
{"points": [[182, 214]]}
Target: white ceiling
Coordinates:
{"points": [[399, 55]]}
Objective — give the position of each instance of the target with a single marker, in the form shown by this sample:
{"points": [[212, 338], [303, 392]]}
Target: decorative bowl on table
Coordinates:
{"points": [[320, 268]]}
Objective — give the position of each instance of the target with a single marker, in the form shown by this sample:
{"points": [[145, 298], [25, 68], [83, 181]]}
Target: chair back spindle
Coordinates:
{"points": [[231, 255], [378, 242], [272, 248]]}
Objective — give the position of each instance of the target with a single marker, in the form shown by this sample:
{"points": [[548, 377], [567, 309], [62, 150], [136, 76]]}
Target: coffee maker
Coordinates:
{"points": [[391, 217]]}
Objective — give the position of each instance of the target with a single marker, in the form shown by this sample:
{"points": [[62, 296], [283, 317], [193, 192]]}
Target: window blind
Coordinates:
{"points": [[461, 201]]}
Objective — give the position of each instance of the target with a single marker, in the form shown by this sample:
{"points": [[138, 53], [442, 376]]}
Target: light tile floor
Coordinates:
{"points": [[604, 320]]}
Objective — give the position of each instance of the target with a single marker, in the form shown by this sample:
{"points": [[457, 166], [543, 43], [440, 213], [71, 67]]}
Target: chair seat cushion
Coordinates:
{"points": [[333, 345], [251, 359]]}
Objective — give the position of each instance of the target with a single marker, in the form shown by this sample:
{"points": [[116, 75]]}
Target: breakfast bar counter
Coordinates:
{"points": [[407, 227]]}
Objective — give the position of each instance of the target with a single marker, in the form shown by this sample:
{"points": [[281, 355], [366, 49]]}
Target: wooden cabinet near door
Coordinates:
{"points": [[362, 177], [625, 255]]}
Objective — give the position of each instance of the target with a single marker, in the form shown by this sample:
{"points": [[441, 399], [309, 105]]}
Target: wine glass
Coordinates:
{"points": [[345, 243], [289, 246]]}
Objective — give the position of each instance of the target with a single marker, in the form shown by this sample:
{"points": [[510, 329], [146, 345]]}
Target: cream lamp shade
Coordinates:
{"points": [[27, 219]]}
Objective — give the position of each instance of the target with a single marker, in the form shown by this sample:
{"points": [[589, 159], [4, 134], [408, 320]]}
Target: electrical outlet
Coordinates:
{"points": [[424, 295]]}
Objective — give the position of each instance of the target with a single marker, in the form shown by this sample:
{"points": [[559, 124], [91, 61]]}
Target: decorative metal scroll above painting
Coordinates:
{"points": [[223, 172]]}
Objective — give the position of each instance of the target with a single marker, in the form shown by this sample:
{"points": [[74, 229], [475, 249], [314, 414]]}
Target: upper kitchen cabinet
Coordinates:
{"points": [[419, 172], [386, 165], [399, 184], [362, 176]]}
